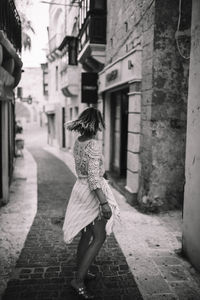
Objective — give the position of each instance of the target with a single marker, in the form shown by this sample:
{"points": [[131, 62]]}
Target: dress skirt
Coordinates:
{"points": [[83, 208]]}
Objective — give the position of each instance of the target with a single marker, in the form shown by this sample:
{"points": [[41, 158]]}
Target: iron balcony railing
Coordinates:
{"points": [[93, 30], [10, 23]]}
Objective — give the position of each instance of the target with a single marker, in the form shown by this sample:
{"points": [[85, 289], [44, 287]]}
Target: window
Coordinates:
{"points": [[111, 42], [70, 114], [126, 26], [19, 92], [76, 111], [72, 51], [87, 5]]}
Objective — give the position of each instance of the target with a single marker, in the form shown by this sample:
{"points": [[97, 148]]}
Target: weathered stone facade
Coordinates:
{"points": [[153, 25], [164, 118]]}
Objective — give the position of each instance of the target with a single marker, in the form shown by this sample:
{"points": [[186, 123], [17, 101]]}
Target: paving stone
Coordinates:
{"points": [[143, 266], [174, 273], [185, 291], [147, 283], [167, 261]]}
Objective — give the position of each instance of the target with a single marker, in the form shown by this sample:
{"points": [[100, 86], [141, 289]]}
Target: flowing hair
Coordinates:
{"points": [[88, 123]]}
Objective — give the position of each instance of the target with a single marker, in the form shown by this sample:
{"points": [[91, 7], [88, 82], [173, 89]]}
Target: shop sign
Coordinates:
{"points": [[89, 87], [111, 76]]}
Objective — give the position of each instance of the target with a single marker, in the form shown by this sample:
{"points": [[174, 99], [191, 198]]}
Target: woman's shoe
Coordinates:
{"points": [[90, 276], [82, 292]]}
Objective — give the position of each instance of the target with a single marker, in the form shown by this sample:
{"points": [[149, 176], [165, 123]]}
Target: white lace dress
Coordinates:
{"points": [[83, 206]]}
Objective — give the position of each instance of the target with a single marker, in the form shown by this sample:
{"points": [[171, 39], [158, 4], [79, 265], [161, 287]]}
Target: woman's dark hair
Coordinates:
{"points": [[88, 123]]}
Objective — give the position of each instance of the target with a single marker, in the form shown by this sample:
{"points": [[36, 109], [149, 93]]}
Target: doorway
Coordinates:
{"points": [[119, 132]]}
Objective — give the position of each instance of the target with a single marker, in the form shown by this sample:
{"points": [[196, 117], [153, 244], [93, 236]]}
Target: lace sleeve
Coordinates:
{"points": [[94, 155]]}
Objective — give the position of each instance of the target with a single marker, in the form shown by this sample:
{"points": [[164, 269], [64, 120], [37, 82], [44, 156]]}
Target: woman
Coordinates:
{"points": [[92, 207]]}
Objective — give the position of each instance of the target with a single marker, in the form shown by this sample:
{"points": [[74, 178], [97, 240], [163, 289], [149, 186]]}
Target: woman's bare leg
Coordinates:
{"points": [[99, 236], [83, 243]]}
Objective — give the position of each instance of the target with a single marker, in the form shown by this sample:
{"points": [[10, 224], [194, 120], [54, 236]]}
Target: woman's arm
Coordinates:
{"points": [[94, 179], [106, 210]]}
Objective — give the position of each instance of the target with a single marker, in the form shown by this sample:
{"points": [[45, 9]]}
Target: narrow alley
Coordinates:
{"points": [[106, 92], [46, 265], [141, 260]]}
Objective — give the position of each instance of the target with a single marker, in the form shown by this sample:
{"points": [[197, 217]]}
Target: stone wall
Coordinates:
{"points": [[153, 24], [127, 23], [164, 108]]}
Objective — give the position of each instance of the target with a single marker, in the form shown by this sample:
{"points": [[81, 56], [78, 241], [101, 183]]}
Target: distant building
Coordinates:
{"points": [[32, 97], [64, 73], [55, 105], [10, 74]]}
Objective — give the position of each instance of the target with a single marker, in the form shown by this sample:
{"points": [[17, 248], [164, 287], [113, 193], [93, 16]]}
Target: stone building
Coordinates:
{"points": [[10, 74], [54, 107], [137, 54], [64, 73], [70, 69], [134, 51], [144, 87], [31, 97]]}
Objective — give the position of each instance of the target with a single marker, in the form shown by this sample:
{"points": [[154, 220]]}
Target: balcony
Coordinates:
{"points": [[69, 69], [70, 81], [92, 40], [10, 23], [10, 44]]}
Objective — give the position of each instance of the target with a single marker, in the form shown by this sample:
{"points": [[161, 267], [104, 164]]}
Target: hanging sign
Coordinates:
{"points": [[89, 87]]}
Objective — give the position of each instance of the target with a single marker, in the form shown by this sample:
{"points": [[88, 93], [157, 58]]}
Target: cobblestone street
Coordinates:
{"points": [[93, 90], [46, 265]]}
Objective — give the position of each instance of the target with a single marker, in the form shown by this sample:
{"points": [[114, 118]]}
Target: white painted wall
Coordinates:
{"points": [[191, 217], [57, 31]]}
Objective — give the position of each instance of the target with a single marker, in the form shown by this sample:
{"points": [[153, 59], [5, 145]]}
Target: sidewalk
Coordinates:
{"points": [[152, 247], [17, 216]]}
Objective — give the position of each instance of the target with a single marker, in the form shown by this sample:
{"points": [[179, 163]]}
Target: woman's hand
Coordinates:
{"points": [[106, 211], [105, 208]]}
